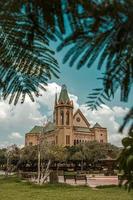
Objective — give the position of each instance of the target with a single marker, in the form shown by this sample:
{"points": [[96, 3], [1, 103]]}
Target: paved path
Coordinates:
{"points": [[94, 181], [2, 172]]}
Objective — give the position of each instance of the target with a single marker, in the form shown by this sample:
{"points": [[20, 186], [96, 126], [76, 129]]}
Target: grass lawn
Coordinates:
{"points": [[14, 189]]}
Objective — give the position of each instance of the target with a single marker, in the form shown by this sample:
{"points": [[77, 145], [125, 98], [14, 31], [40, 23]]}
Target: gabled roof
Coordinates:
{"points": [[83, 117], [97, 126], [37, 129], [43, 129], [63, 95], [50, 126]]}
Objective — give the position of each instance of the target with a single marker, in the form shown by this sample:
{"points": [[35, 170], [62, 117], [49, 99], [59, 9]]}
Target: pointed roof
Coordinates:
{"points": [[50, 126], [55, 103], [83, 117], [37, 129], [63, 95], [97, 125]]}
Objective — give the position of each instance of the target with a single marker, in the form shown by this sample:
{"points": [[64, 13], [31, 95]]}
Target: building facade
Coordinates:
{"points": [[68, 128]]}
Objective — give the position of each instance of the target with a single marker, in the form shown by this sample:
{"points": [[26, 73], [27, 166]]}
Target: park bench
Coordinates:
{"points": [[74, 176], [122, 177], [81, 177], [27, 175]]}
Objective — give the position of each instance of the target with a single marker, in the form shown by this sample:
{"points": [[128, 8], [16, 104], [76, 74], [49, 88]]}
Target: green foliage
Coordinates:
{"points": [[92, 151], [53, 152], [96, 98], [2, 156], [97, 28], [100, 29], [127, 141], [26, 60], [126, 161], [105, 32], [28, 154]]}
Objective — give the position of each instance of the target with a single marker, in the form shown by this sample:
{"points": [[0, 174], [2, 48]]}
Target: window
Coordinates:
{"points": [[67, 139], [101, 141], [67, 118], [74, 142], [101, 134], [78, 119], [56, 117], [56, 140], [62, 117], [30, 143]]}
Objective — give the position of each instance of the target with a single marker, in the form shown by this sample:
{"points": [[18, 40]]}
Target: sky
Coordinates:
{"points": [[17, 120]]}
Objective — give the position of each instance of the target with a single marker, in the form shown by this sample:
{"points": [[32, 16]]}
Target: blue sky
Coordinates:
{"points": [[15, 121], [81, 82]]}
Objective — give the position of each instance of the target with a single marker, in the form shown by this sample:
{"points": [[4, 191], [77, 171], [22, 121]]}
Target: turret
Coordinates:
{"points": [[63, 109]]}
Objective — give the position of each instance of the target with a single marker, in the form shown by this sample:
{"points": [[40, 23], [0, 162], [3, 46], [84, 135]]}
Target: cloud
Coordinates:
{"points": [[119, 111], [107, 117], [15, 121], [15, 135]]}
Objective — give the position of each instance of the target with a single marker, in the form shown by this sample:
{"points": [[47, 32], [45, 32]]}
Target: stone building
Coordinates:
{"points": [[67, 128]]}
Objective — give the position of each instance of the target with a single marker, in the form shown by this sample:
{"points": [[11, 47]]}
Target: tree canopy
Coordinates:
{"points": [[96, 28]]}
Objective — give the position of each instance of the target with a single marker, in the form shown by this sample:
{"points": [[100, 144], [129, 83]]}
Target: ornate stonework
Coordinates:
{"points": [[67, 129]]}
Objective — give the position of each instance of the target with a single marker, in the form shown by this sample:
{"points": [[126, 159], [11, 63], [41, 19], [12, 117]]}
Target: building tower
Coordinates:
{"points": [[63, 118]]}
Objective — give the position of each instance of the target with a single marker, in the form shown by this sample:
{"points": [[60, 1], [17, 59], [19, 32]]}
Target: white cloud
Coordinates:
{"points": [[15, 135], [107, 117], [119, 111], [15, 121]]}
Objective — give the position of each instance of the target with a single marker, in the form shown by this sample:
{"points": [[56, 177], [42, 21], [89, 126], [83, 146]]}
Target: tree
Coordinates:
{"points": [[97, 28], [12, 157], [28, 157], [126, 161], [49, 153], [2, 158], [92, 151]]}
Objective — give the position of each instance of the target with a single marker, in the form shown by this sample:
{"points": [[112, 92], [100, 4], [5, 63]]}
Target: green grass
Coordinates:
{"points": [[15, 189]]}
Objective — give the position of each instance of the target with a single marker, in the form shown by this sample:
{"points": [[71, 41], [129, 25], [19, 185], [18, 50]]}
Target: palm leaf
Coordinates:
{"points": [[22, 62]]}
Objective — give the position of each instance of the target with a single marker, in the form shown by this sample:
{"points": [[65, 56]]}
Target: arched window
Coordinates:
{"points": [[62, 117], [67, 118], [56, 118]]}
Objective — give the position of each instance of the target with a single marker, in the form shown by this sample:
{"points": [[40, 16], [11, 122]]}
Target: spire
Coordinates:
{"points": [[63, 95], [97, 126], [55, 99]]}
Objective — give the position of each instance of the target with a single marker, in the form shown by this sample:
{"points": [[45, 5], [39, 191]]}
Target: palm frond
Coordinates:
{"points": [[127, 119], [24, 66], [105, 32], [97, 98]]}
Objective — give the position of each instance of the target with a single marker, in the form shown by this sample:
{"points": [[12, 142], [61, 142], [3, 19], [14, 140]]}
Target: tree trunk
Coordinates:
{"points": [[39, 166], [44, 175], [7, 167], [53, 176], [82, 165]]}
